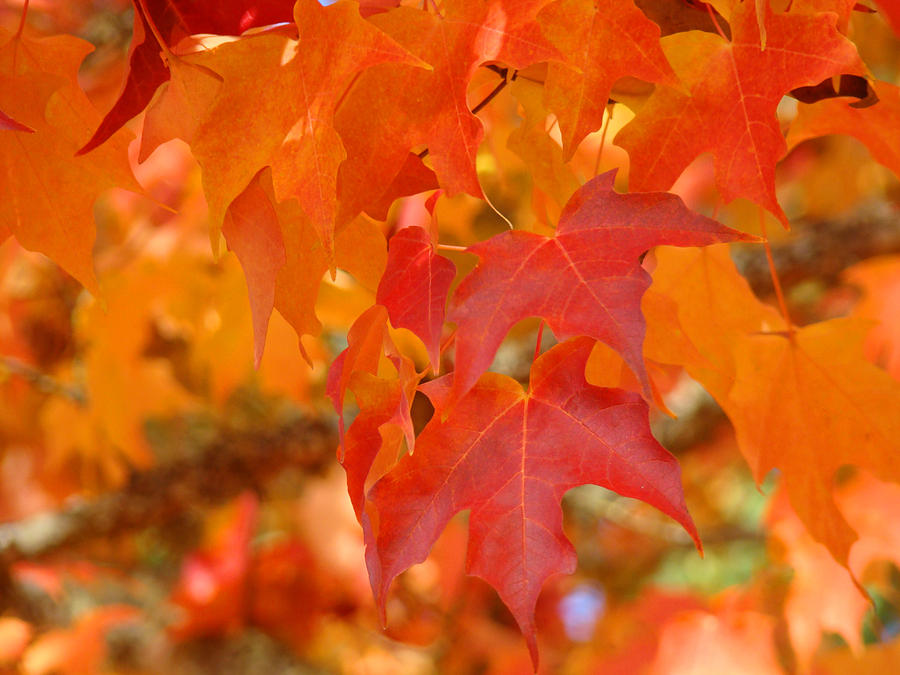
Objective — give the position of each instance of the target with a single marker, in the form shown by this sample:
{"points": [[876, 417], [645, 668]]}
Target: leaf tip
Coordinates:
{"points": [[533, 651]]}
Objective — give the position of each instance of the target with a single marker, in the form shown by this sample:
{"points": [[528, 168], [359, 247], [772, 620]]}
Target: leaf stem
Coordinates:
{"points": [[712, 15], [776, 283], [450, 247], [22, 19], [166, 52], [448, 340], [496, 90], [18, 35], [540, 337]]}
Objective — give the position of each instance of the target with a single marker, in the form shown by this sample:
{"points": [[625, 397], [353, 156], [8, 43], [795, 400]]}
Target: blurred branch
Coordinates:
{"points": [[823, 250], [632, 515], [235, 461], [43, 382]]}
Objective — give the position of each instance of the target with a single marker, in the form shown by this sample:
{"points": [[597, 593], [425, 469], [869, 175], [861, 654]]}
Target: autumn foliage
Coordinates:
{"points": [[309, 309]]}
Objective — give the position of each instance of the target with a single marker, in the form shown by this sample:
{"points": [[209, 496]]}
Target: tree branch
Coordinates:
{"points": [[823, 250], [235, 461]]}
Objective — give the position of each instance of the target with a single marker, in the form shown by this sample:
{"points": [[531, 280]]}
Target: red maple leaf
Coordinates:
{"points": [[586, 280], [509, 455]]}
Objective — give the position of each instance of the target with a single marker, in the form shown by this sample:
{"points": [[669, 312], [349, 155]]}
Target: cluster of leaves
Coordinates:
{"points": [[435, 181]]}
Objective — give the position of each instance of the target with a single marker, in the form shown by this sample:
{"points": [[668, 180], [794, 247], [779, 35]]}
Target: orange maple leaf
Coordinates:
{"points": [[49, 194], [735, 87]]}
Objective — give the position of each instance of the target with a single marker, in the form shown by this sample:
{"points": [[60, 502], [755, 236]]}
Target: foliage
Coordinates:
{"points": [[486, 250]]}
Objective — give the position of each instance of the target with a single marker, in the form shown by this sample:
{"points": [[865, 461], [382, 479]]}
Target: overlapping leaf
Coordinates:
{"points": [[414, 287], [541, 154], [253, 232], [173, 20], [283, 259], [248, 127], [586, 280], [806, 404], [735, 87], [602, 41], [390, 110], [811, 406], [509, 455], [384, 402], [365, 347], [875, 125], [48, 193]]}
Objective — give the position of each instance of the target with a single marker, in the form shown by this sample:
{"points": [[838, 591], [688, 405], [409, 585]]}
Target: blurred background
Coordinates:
{"points": [[165, 506]]}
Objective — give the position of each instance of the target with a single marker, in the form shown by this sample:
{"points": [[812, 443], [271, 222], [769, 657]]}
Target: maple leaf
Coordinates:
{"points": [[603, 41], [373, 443], [697, 309], [810, 406], [875, 125], [283, 259], [247, 128], [48, 204], [172, 20], [180, 106], [806, 405], [735, 87], [509, 455], [391, 109], [365, 346], [414, 287], [414, 177], [359, 249], [585, 280]]}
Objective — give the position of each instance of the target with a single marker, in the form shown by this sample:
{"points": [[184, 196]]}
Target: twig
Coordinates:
{"points": [[43, 382], [503, 73]]}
